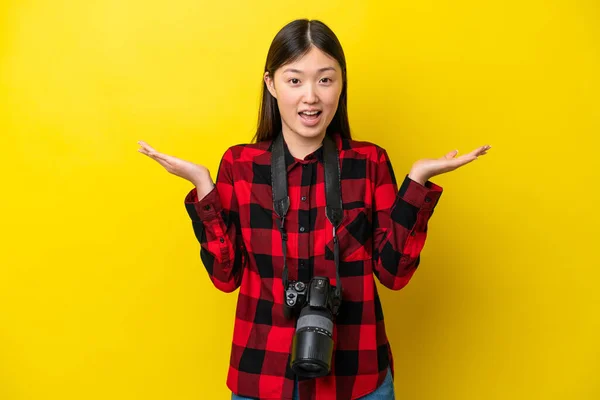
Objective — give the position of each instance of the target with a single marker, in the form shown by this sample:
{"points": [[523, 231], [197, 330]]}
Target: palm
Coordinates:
{"points": [[176, 166], [430, 167]]}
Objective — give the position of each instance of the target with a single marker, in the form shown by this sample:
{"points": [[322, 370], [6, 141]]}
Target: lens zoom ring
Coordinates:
{"points": [[315, 321]]}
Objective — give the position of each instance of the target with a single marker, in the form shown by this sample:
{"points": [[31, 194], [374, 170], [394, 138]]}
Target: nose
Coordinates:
{"points": [[310, 95]]}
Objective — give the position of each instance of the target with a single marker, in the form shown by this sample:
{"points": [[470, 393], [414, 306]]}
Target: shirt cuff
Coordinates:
{"points": [[422, 196], [207, 208]]}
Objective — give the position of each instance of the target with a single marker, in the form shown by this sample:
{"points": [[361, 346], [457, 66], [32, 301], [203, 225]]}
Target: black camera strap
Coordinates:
{"points": [[333, 193]]}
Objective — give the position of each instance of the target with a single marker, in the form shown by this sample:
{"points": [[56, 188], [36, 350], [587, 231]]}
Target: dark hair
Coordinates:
{"points": [[291, 43]]}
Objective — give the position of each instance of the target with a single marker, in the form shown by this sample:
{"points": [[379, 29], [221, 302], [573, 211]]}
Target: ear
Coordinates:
{"points": [[270, 84]]}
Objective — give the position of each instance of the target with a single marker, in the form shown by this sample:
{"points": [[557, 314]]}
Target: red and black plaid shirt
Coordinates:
{"points": [[382, 234]]}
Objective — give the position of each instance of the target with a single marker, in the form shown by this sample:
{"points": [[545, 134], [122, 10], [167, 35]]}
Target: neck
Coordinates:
{"points": [[300, 146]]}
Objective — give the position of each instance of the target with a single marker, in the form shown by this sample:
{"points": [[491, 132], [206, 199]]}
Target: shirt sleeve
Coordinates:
{"points": [[216, 223], [400, 218]]}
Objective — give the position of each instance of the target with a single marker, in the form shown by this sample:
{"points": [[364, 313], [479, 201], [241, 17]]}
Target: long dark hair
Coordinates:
{"points": [[292, 42]]}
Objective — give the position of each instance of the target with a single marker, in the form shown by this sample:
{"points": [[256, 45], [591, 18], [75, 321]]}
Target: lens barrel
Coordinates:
{"points": [[312, 346]]}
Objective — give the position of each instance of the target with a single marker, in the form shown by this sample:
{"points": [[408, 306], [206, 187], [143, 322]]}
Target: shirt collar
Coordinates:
{"points": [[315, 156]]}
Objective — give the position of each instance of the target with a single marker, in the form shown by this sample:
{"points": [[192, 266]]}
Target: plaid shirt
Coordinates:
{"points": [[382, 234]]}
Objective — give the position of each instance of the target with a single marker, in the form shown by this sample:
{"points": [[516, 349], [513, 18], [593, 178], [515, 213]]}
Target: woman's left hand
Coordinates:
{"points": [[425, 169]]}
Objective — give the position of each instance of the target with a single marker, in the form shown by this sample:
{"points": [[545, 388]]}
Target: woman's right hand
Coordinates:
{"points": [[197, 174]]}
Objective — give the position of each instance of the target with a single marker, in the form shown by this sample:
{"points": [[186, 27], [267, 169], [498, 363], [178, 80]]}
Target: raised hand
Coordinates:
{"points": [[425, 169], [197, 174]]}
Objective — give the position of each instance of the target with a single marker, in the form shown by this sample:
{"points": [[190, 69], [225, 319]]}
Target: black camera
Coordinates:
{"points": [[317, 304]]}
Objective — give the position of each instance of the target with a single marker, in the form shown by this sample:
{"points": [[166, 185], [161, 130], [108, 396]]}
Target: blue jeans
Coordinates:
{"points": [[383, 392]]}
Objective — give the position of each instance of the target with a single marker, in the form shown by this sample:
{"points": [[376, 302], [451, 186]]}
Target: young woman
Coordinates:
{"points": [[381, 235]]}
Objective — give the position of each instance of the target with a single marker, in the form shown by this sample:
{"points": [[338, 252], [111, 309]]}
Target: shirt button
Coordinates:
{"points": [[303, 198], [304, 165], [207, 207], [427, 199], [413, 233], [222, 240], [302, 263], [302, 229]]}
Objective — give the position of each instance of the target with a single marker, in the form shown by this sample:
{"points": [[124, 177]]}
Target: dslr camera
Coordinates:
{"points": [[315, 304]]}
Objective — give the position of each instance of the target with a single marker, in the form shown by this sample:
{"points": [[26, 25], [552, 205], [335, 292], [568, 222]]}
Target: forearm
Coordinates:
{"points": [[417, 177], [204, 185], [204, 188]]}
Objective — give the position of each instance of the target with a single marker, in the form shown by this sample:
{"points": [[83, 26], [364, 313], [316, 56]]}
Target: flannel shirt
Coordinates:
{"points": [[381, 235]]}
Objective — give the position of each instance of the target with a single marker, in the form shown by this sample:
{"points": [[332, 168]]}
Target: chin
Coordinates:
{"points": [[309, 134]]}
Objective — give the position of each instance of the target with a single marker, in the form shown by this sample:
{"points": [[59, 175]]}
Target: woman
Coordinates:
{"points": [[382, 233]]}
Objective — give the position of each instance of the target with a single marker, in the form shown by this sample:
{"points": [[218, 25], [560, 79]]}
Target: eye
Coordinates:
{"points": [[328, 80], [294, 81]]}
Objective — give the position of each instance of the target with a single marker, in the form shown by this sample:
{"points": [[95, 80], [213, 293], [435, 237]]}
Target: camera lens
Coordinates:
{"points": [[307, 366], [312, 346]]}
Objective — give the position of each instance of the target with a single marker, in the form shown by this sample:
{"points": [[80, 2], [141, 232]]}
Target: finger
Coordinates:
{"points": [[161, 158], [144, 151], [462, 160], [166, 165], [477, 151], [146, 146], [151, 151], [457, 162], [155, 154], [450, 155], [166, 158], [151, 154], [483, 149], [162, 162]]}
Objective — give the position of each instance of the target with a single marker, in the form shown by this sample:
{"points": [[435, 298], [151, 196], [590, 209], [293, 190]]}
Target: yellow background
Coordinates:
{"points": [[102, 292]]}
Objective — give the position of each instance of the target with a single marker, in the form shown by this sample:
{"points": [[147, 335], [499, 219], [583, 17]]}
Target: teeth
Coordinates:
{"points": [[309, 112]]}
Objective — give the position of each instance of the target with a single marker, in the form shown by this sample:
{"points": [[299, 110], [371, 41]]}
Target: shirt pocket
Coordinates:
{"points": [[354, 235]]}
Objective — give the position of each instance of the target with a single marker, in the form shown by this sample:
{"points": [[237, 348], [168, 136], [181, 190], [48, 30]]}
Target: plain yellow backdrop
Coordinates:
{"points": [[102, 291]]}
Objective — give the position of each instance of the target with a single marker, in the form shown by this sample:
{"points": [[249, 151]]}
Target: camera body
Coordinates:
{"points": [[318, 294]]}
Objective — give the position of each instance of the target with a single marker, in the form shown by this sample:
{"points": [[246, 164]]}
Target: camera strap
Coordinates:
{"points": [[333, 196]]}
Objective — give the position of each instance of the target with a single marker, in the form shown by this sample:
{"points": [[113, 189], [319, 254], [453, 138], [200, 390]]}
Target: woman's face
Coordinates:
{"points": [[307, 92]]}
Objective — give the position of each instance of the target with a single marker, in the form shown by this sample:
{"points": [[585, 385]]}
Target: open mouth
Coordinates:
{"points": [[310, 114], [310, 118]]}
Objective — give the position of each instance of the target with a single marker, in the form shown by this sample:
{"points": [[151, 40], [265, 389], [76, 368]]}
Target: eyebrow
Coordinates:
{"points": [[299, 72]]}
